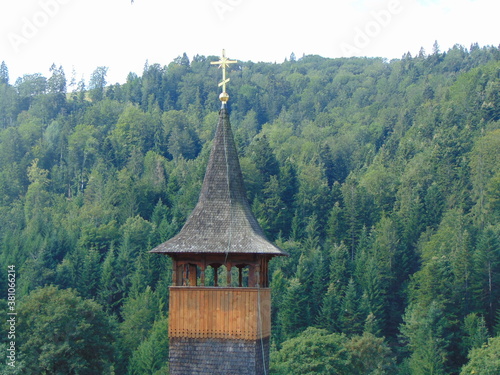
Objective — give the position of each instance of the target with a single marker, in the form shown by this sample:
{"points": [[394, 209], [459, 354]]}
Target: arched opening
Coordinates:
{"points": [[226, 275], [241, 272]]}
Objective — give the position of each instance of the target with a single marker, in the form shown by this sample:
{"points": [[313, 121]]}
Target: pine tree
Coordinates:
{"points": [[273, 207], [151, 356], [289, 188], [475, 332], [356, 209], [331, 307], [108, 288], [294, 315], [4, 74], [373, 287], [486, 273], [263, 156], [336, 224], [351, 315], [279, 288], [424, 330], [89, 273], [326, 158], [98, 83], [139, 314]]}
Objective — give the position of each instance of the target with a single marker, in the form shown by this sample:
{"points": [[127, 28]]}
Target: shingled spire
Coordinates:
{"points": [[220, 320], [222, 221]]}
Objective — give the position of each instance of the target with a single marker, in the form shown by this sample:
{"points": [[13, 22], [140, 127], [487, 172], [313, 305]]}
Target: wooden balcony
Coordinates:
{"points": [[224, 313]]}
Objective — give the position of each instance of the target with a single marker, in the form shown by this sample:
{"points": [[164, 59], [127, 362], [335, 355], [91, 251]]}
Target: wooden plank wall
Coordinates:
{"points": [[226, 313]]}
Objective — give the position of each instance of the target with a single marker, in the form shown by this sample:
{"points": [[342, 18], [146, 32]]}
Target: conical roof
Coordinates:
{"points": [[222, 221]]}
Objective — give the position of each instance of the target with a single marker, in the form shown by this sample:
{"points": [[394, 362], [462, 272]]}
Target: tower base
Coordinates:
{"points": [[189, 356]]}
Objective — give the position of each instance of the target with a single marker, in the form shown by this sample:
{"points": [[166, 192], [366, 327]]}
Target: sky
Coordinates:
{"points": [[83, 35]]}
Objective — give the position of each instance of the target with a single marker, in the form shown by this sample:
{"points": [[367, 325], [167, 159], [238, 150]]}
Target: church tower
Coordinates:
{"points": [[220, 301]]}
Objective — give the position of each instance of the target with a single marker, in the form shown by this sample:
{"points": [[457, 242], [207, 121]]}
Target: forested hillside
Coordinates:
{"points": [[380, 178]]}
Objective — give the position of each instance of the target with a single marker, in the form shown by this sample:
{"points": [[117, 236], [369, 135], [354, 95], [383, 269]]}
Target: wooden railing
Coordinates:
{"points": [[212, 312]]}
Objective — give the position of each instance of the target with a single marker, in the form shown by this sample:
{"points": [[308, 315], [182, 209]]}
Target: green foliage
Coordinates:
{"points": [[476, 333], [4, 74], [315, 351], [425, 330], [138, 315], [98, 83], [331, 308], [151, 356], [380, 178], [64, 334], [484, 360], [484, 166], [294, 314], [486, 272], [370, 355]]}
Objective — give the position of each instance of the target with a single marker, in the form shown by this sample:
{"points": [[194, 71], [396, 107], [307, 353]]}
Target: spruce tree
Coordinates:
{"points": [[4, 74]]}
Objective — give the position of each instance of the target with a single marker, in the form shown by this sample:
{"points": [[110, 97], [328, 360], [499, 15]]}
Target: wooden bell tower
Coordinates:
{"points": [[220, 301]]}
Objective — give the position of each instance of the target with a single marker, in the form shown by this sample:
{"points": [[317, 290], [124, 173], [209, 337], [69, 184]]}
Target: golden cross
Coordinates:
{"points": [[224, 63]]}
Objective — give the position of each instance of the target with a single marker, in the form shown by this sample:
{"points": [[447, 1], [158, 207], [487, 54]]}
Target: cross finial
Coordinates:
{"points": [[224, 63]]}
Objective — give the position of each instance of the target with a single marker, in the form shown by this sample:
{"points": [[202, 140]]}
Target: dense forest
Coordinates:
{"points": [[380, 178]]}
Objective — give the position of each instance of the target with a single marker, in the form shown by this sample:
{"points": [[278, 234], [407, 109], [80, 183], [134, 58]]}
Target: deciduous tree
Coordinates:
{"points": [[64, 334]]}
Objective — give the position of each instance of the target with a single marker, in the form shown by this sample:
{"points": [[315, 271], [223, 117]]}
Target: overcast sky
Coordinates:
{"points": [[85, 34]]}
